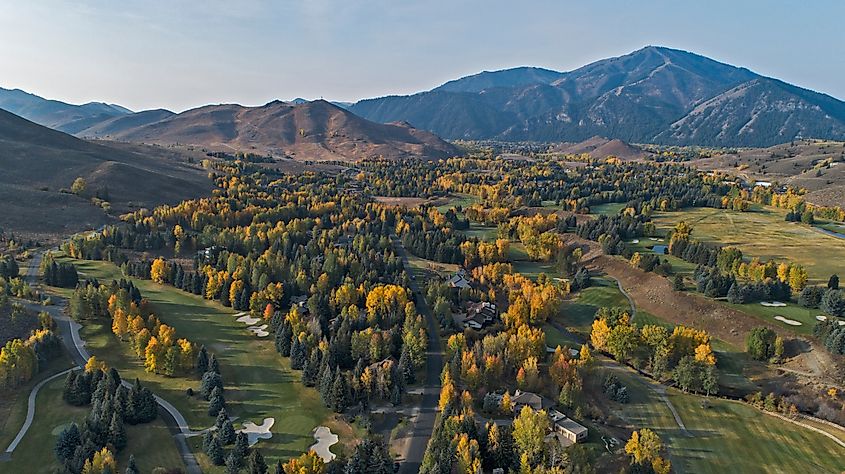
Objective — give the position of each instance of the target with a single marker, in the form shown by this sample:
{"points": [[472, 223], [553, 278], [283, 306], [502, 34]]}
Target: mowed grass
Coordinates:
{"points": [[728, 436], [578, 313], [259, 382], [763, 233], [807, 317], [151, 443], [482, 232], [458, 199], [607, 209]]}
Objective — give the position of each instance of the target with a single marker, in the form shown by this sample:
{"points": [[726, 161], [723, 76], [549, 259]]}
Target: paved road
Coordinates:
{"points": [[30, 409], [422, 424], [69, 331]]}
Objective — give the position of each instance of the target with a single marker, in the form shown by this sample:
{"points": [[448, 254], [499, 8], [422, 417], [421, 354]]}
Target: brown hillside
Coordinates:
{"points": [[38, 163], [600, 147], [310, 131]]}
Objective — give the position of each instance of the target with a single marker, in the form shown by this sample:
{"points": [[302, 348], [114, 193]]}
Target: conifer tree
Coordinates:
{"points": [[216, 402], [215, 451], [255, 463], [339, 398], [298, 357], [241, 448], [117, 432], [131, 466], [283, 339]]}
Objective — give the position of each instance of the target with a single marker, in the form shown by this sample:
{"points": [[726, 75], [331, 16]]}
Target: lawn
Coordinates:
{"points": [[807, 317], [578, 313], [458, 199], [482, 232], [763, 233], [151, 443], [728, 436], [518, 257], [259, 383], [644, 246], [607, 209]]}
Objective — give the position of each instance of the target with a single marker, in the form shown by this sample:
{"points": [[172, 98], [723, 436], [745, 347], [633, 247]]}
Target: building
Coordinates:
{"points": [[568, 428], [479, 315], [459, 280], [522, 399]]}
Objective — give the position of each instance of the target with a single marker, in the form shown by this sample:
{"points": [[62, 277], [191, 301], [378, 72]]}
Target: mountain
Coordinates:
{"points": [[114, 125], [39, 164], [653, 95], [599, 147], [515, 77], [55, 114], [315, 130]]}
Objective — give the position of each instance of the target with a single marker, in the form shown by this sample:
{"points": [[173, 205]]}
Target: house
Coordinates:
{"points": [[301, 302], [522, 399], [459, 280], [479, 315], [568, 428]]}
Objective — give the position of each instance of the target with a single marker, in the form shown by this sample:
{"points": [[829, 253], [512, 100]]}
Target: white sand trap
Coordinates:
{"points": [[821, 317], [325, 440], [773, 304], [654, 239], [260, 331], [248, 320], [791, 322], [635, 241], [255, 432], [841, 323]]}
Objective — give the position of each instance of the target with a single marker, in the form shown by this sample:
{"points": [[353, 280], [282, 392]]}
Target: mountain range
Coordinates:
{"points": [[653, 95]]}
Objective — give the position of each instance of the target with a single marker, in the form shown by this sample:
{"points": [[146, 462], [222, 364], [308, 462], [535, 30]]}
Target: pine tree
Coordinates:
{"points": [[283, 339], [131, 466], [233, 465], [210, 381], [311, 369], [227, 433], [216, 402], [222, 418], [67, 442], [255, 463], [340, 394], [326, 384], [297, 355], [68, 393], [213, 365], [241, 448], [117, 432], [215, 451], [406, 367]]}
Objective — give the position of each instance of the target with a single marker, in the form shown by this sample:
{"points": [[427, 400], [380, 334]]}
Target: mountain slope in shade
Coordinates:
{"points": [[514, 77], [645, 96], [315, 130], [55, 114], [38, 162], [120, 123]]}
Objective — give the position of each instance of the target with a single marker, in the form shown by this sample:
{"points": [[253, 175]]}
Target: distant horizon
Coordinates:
{"points": [[178, 56]]}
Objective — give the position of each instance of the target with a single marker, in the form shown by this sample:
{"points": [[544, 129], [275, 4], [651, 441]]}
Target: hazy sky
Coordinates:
{"points": [[178, 54]]}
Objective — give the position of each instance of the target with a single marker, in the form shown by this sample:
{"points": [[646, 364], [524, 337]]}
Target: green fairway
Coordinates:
{"points": [[259, 383], [151, 443], [482, 232], [763, 233], [458, 199], [607, 209], [807, 317], [644, 246], [728, 436], [578, 313]]}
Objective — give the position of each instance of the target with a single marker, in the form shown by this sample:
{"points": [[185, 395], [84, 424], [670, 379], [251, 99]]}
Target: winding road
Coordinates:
{"points": [[69, 331]]}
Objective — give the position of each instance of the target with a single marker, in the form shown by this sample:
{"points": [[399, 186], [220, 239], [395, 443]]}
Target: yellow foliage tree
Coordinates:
{"points": [[120, 323], [102, 461], [158, 270], [308, 463], [599, 334]]}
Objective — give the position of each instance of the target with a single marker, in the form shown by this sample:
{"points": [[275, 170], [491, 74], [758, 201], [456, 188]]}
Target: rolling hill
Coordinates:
{"points": [[40, 163], [653, 95], [58, 115], [315, 130]]}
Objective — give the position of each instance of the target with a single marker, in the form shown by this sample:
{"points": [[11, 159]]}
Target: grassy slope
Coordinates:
{"points": [[728, 436], [259, 382], [763, 233], [151, 443]]}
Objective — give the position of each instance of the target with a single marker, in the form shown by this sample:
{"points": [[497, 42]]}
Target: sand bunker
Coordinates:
{"points": [[773, 304], [635, 241], [821, 318], [654, 239], [260, 331], [325, 440], [248, 320], [791, 322], [841, 323], [255, 432]]}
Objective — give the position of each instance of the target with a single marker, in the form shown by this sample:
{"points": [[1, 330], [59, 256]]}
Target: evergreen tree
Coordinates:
{"points": [[233, 465], [311, 369], [67, 442], [216, 402], [241, 448], [215, 451], [734, 295], [406, 367], [297, 355], [222, 418], [227, 433], [210, 381], [339, 398], [213, 364], [283, 339], [117, 432], [326, 384], [202, 361], [255, 464], [833, 282], [131, 466]]}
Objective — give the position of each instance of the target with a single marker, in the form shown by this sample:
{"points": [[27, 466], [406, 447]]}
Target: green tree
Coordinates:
{"points": [[78, 187], [255, 464], [833, 303], [760, 343], [529, 432]]}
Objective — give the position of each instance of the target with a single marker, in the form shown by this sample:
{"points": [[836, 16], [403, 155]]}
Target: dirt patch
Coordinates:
{"points": [[408, 202]]}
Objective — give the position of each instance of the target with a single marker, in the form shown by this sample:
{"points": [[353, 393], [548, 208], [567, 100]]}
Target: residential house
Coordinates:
{"points": [[566, 427], [479, 315], [460, 280]]}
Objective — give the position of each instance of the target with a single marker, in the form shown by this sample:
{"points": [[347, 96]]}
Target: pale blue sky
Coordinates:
{"points": [[178, 54]]}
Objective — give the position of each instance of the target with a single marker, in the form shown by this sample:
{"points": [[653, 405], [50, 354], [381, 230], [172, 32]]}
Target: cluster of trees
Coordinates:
{"points": [[20, 359], [8, 267], [61, 274], [615, 390], [650, 262], [612, 231], [831, 334], [684, 355], [830, 299], [460, 444], [645, 449], [431, 235], [763, 343], [90, 448]]}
